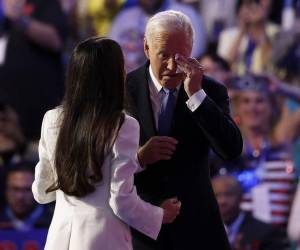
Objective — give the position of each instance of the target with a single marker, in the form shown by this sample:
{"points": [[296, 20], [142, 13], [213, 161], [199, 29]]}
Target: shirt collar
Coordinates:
{"points": [[155, 82], [234, 226]]}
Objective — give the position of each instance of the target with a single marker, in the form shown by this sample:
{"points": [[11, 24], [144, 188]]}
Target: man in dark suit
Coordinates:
{"points": [[175, 155], [244, 231]]}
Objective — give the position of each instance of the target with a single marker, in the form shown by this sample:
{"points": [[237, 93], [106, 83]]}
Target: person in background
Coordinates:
{"points": [[31, 71], [286, 58], [182, 114], [244, 231], [12, 140], [68, 5], [248, 46], [216, 67], [13, 145], [285, 53], [217, 16], [21, 212], [95, 17], [266, 151], [87, 154]]}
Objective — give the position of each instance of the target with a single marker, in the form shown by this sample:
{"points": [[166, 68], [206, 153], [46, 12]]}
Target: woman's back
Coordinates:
{"points": [[91, 222]]}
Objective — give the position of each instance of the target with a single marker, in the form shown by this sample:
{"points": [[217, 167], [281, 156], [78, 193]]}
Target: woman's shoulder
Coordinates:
{"points": [[130, 118], [52, 117], [54, 112], [129, 124]]}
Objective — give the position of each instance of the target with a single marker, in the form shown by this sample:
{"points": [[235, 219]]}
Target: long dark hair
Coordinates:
{"points": [[92, 115]]}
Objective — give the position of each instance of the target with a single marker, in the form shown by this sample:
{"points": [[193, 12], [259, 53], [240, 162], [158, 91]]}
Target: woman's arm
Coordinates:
{"points": [[44, 174], [124, 201]]}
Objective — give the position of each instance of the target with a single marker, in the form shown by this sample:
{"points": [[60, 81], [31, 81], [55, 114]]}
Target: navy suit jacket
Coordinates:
{"points": [[186, 175]]}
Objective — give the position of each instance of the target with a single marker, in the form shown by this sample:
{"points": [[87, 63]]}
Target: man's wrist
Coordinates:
{"points": [[142, 164], [195, 100]]}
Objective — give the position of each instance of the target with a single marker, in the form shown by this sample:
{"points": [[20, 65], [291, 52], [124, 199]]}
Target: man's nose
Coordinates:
{"points": [[172, 65]]}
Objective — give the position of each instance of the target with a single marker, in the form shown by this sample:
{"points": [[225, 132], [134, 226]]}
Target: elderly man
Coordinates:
{"points": [[182, 114], [128, 28]]}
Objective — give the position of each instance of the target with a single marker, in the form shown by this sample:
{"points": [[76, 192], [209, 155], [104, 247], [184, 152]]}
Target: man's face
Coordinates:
{"points": [[161, 51], [228, 198], [18, 193]]}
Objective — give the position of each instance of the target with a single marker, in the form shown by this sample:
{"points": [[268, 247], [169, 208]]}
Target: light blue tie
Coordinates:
{"points": [[166, 111]]}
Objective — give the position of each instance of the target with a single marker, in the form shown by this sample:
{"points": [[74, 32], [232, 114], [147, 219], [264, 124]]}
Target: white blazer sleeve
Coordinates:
{"points": [[294, 220], [124, 201], [44, 176]]}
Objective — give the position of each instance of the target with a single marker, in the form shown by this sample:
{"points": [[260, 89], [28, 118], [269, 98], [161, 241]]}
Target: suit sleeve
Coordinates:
{"points": [[214, 119], [44, 174], [124, 201]]}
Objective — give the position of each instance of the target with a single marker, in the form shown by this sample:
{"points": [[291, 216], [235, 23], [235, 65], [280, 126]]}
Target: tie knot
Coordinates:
{"points": [[169, 91]]}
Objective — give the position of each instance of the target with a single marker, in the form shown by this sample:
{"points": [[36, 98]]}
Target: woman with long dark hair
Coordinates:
{"points": [[87, 152]]}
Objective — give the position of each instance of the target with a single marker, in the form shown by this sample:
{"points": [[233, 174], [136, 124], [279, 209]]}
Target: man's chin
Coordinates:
{"points": [[171, 82]]}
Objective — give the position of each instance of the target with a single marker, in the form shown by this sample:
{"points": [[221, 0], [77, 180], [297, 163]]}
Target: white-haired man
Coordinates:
{"points": [[175, 155], [128, 28]]}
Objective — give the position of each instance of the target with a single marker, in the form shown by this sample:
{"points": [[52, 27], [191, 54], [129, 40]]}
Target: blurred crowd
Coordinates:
{"points": [[250, 46]]}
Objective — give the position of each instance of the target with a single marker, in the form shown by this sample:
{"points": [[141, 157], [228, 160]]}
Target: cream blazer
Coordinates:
{"points": [[101, 220]]}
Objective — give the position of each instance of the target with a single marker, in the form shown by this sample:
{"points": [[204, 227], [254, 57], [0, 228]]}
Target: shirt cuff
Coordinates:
{"points": [[195, 100]]}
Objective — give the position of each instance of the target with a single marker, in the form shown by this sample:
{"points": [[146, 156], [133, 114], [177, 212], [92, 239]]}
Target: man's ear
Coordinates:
{"points": [[146, 48]]}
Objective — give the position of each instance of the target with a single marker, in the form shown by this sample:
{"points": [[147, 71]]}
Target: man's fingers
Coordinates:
{"points": [[164, 148], [175, 200], [182, 63], [164, 143], [178, 204], [188, 65], [172, 200], [167, 146], [166, 151], [195, 63], [165, 157], [166, 139]]}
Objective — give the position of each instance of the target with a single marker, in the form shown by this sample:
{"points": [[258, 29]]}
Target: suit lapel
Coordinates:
{"points": [[180, 106], [145, 111]]}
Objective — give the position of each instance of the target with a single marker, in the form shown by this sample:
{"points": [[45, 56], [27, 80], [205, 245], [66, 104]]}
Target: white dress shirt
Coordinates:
{"points": [[156, 96], [234, 227]]}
